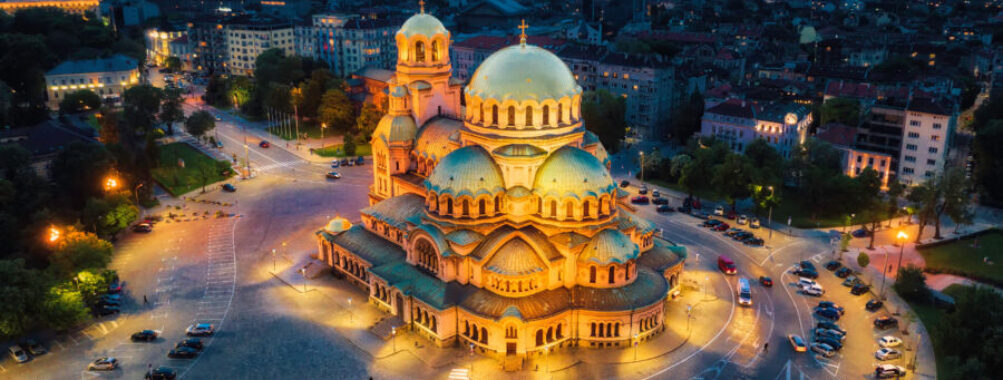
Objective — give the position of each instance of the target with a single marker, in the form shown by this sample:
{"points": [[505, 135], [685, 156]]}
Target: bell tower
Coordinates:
{"points": [[424, 68]]}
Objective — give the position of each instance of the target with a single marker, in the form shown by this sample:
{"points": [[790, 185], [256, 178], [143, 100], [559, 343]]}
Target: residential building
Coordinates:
{"points": [[159, 42], [107, 77], [347, 43], [647, 83], [491, 14], [929, 127], [854, 159], [206, 37], [70, 6], [246, 37], [305, 40], [468, 54], [738, 122]]}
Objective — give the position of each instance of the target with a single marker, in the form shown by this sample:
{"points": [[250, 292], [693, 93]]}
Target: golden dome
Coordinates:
{"points": [[422, 24], [337, 225], [523, 72], [570, 171], [466, 171], [399, 128], [609, 246]]}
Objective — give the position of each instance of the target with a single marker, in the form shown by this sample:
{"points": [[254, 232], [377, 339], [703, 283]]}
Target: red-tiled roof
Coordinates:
{"points": [[736, 108], [851, 90], [492, 43], [838, 134]]}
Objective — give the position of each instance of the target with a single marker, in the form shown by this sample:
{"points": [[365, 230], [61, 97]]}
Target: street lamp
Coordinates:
{"points": [[642, 168], [273, 260], [902, 239], [884, 267], [303, 272], [769, 217], [635, 347], [322, 127], [393, 333], [110, 183], [350, 316], [54, 234]]}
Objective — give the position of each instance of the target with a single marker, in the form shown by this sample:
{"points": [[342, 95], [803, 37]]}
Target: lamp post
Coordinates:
{"points": [[546, 359], [303, 272], [54, 234], [635, 347], [642, 168], [350, 317], [137, 199], [322, 127], [902, 240], [393, 333], [769, 216], [273, 260]]}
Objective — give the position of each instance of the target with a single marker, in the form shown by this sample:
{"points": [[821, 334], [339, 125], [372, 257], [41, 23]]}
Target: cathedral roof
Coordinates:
{"points": [[523, 72], [570, 171], [515, 258], [519, 150], [662, 256], [435, 136], [396, 210], [501, 234], [366, 245], [422, 24], [609, 246], [399, 128], [336, 225], [466, 171]]}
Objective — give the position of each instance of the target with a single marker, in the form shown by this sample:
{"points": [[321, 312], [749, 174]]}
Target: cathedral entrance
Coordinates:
{"points": [[400, 306], [510, 348]]}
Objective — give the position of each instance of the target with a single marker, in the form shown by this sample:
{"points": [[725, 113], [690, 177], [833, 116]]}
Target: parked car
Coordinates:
{"points": [[200, 329], [823, 349], [721, 227], [742, 219], [833, 265], [33, 347], [832, 333], [766, 281], [659, 200], [889, 341], [874, 304], [731, 215], [831, 305], [797, 343], [719, 210], [832, 342], [684, 209], [103, 364], [145, 335], [888, 354], [815, 291], [851, 281], [843, 272], [335, 164], [161, 373], [264, 144], [710, 223], [807, 265], [18, 354], [805, 272], [182, 353], [643, 189], [664, 208], [804, 281], [229, 188], [639, 199], [656, 193], [333, 175], [107, 310], [360, 160], [827, 313], [624, 183], [113, 297], [344, 162], [887, 371], [755, 242], [194, 343], [860, 233], [115, 286], [754, 223], [859, 289], [142, 227], [829, 325], [884, 322], [109, 302]]}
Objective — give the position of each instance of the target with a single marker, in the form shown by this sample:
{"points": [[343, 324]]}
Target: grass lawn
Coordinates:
{"points": [[93, 122], [338, 151], [931, 316], [960, 257], [177, 180], [310, 128]]}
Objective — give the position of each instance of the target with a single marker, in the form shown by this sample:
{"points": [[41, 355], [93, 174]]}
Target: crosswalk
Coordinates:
{"points": [[220, 274], [459, 374]]}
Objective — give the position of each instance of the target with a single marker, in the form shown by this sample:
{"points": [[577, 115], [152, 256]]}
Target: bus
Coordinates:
{"points": [[744, 292]]}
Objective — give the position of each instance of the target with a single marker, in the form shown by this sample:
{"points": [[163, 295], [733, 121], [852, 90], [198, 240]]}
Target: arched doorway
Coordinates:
{"points": [[400, 306]]}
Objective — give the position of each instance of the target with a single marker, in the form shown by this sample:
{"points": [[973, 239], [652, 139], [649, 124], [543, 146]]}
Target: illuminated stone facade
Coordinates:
{"points": [[498, 227], [70, 6]]}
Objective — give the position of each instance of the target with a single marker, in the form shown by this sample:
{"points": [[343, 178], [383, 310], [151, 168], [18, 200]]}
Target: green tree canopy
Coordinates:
{"points": [[78, 250], [19, 290], [140, 105], [732, 178], [82, 168], [841, 110], [199, 123], [604, 114], [336, 110], [79, 101], [910, 283], [989, 161], [170, 109], [369, 117]]}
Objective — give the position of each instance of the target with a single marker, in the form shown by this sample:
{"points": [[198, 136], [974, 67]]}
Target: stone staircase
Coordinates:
{"points": [[384, 327], [512, 363]]}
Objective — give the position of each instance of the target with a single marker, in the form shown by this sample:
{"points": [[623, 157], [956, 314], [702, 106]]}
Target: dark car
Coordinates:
{"points": [[640, 199], [731, 215], [659, 200], [827, 313], [344, 162], [742, 235], [807, 273], [264, 144], [333, 175], [360, 161], [807, 265], [145, 336], [115, 286], [830, 326], [874, 304], [624, 183], [766, 281], [109, 302], [859, 289], [664, 208], [831, 305], [161, 373], [34, 347], [843, 272], [193, 343], [182, 353], [832, 342], [335, 164], [684, 209], [755, 242], [833, 265], [884, 322], [710, 223], [722, 227], [142, 227], [656, 193], [107, 310], [229, 188], [860, 233]]}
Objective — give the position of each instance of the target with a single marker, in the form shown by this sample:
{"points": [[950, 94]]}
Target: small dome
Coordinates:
{"points": [[399, 128], [570, 171], [515, 258], [422, 24], [519, 150], [337, 225], [466, 171], [523, 72], [609, 246]]}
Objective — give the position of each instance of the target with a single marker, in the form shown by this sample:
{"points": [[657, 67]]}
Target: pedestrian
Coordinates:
{"points": [[145, 302], [766, 347]]}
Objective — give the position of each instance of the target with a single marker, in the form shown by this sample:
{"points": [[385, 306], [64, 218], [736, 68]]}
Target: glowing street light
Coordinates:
{"points": [[111, 183], [901, 236], [54, 234]]}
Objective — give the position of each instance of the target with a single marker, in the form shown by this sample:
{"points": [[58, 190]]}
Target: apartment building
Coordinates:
{"points": [[647, 83], [738, 123], [855, 159], [159, 43], [107, 77], [207, 43], [246, 37], [347, 43], [928, 128]]}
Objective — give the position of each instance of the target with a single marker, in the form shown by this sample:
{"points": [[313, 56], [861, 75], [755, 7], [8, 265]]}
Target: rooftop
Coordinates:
{"points": [[117, 62]]}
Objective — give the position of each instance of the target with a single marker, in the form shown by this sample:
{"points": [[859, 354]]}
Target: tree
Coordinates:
{"points": [[977, 317], [895, 191], [216, 92], [172, 64], [19, 288], [910, 283], [109, 121], [140, 105], [199, 123], [170, 110], [841, 110], [205, 173], [313, 89], [336, 110], [109, 216], [985, 147], [732, 178], [924, 199], [863, 260], [686, 120], [79, 101], [81, 169], [768, 163], [349, 146], [80, 250], [368, 118], [954, 196], [604, 114], [64, 308]]}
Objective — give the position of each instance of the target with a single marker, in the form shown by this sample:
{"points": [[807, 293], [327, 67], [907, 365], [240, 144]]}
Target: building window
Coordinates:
{"points": [[910, 147], [592, 275], [910, 159], [914, 123], [511, 116], [907, 170], [937, 126], [913, 135], [932, 150], [935, 138], [546, 115], [931, 162]]}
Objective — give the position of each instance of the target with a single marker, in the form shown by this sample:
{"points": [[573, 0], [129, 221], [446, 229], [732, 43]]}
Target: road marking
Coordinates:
{"points": [[785, 372], [785, 246]]}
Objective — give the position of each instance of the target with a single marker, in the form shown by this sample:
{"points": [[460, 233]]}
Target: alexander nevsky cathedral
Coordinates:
{"points": [[496, 226]]}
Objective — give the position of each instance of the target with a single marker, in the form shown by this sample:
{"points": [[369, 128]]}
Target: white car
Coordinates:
{"points": [[754, 223], [200, 329], [719, 210], [888, 354], [742, 219], [823, 349], [886, 371], [18, 354], [889, 341], [103, 364], [814, 290], [804, 281]]}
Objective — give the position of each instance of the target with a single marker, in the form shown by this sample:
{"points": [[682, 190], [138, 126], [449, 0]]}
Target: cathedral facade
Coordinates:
{"points": [[497, 226]]}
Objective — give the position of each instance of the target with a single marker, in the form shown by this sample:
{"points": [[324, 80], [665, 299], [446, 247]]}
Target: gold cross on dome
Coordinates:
{"points": [[421, 3], [522, 36]]}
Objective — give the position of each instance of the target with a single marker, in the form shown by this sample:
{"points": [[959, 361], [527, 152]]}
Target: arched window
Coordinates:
{"points": [[593, 333], [609, 329], [433, 324], [539, 338], [475, 334], [480, 110], [546, 115], [419, 51], [498, 201], [511, 116], [626, 272], [481, 207], [449, 205], [494, 114], [484, 335], [569, 211], [585, 209], [550, 335], [466, 208], [559, 333], [553, 209], [435, 51], [560, 113], [529, 116], [616, 329], [592, 275], [612, 273], [466, 328]]}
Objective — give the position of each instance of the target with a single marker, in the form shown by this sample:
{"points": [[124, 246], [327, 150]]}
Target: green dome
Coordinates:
{"points": [[523, 72], [422, 24], [570, 171], [400, 128], [609, 246], [466, 171]]}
